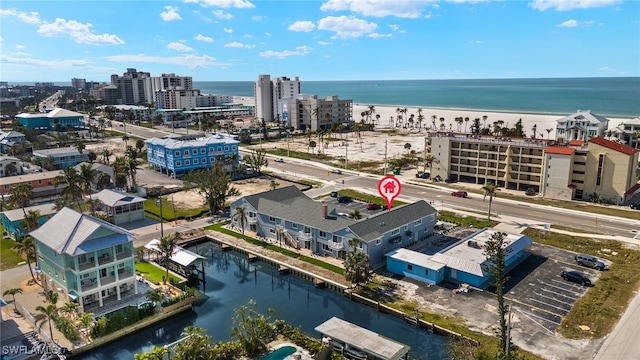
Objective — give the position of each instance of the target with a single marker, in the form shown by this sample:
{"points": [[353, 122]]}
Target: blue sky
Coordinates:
{"points": [[236, 40]]}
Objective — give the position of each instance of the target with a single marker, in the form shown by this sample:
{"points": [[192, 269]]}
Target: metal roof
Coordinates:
{"points": [[57, 151], [363, 339], [45, 175], [171, 142], [73, 233], [18, 214], [113, 198], [180, 255], [416, 258]]}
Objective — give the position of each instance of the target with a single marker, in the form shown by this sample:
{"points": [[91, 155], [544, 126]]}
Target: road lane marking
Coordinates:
{"points": [[553, 292], [533, 307], [553, 306], [554, 299]]}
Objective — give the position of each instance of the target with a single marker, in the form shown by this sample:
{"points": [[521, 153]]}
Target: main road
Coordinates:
{"points": [[440, 197]]}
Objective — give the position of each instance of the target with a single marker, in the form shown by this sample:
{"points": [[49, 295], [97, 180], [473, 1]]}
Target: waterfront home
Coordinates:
{"points": [[290, 217], [101, 168], [583, 125], [120, 207], [85, 259], [12, 219], [62, 157], [464, 262], [55, 120], [627, 133], [176, 155]]}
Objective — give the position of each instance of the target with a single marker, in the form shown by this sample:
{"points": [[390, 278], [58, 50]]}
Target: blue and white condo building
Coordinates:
{"points": [[176, 155], [56, 119]]}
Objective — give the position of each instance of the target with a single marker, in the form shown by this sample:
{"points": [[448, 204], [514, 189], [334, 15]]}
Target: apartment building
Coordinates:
{"points": [[54, 120], [131, 86], [62, 157], [176, 155], [267, 92], [627, 133], [85, 259], [307, 112], [575, 171], [176, 99], [43, 184]]}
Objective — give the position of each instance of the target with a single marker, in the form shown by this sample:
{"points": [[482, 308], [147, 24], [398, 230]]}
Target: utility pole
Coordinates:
{"points": [[288, 142], [346, 153], [385, 158], [424, 158], [161, 218]]}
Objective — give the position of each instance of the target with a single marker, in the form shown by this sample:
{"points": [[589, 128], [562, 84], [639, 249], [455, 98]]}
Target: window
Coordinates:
{"points": [[204, 161], [294, 225], [177, 153], [211, 150], [186, 152], [322, 234], [419, 222], [600, 169], [178, 163], [187, 163], [409, 266], [395, 232], [272, 219], [272, 231], [377, 241], [226, 148], [203, 151], [195, 161], [426, 271], [194, 151]]}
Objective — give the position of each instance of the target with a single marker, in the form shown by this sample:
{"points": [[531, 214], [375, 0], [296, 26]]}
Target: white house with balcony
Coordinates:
{"points": [[291, 218], [120, 207], [85, 259], [583, 125]]}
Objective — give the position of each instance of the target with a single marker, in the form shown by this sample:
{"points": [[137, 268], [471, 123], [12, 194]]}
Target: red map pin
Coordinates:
{"points": [[389, 188]]}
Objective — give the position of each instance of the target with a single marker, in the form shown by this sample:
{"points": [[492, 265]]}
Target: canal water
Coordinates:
{"points": [[232, 281]]}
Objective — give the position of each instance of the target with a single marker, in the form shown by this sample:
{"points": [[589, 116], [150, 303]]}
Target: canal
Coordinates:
{"points": [[232, 281]]}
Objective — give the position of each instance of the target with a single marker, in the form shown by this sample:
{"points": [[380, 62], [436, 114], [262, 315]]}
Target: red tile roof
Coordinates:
{"points": [[576, 143], [627, 150], [632, 190], [560, 150]]}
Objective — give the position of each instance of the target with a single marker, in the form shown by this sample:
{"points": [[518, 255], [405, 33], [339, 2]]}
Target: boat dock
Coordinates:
{"points": [[361, 343]]}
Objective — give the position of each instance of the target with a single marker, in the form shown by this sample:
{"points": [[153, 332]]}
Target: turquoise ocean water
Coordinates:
{"points": [[612, 97]]}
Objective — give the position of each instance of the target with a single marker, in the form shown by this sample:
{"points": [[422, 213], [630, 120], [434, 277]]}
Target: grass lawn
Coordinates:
{"points": [[8, 257], [450, 217], [367, 198], [603, 304], [153, 273], [153, 210]]}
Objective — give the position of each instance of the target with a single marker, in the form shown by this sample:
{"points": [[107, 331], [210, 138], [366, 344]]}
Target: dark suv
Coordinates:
{"points": [[576, 277], [344, 199]]}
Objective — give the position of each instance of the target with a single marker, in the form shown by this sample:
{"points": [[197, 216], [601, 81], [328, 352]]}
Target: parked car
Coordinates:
{"points": [[635, 206], [278, 160], [462, 194], [336, 171], [333, 194], [372, 206], [344, 199], [530, 192], [576, 277], [590, 261]]}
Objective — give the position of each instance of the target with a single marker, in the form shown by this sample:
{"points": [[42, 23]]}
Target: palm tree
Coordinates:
{"points": [[70, 309], [466, 121], [549, 132], [490, 191], [13, 292], [86, 321], [155, 296], [241, 217], [106, 153], [407, 147], [356, 266], [139, 146], [27, 247], [80, 146], [355, 214], [167, 246], [433, 121], [71, 178], [85, 177], [48, 314], [21, 196], [10, 169]]}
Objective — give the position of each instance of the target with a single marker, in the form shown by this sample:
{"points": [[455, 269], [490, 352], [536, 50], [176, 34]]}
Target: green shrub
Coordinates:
{"points": [[67, 328]]}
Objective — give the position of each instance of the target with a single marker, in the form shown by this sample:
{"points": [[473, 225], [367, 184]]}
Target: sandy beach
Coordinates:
{"points": [[528, 120]]}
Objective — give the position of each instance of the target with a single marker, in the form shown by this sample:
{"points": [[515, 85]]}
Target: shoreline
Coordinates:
{"points": [[541, 121]]}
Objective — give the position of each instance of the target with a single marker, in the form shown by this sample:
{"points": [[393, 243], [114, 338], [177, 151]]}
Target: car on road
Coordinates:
{"points": [[336, 171], [635, 206], [344, 199], [333, 194], [576, 277], [591, 262], [372, 206], [278, 160], [462, 194]]}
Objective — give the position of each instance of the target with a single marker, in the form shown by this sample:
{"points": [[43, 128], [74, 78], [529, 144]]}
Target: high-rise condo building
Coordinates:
{"points": [[267, 92]]}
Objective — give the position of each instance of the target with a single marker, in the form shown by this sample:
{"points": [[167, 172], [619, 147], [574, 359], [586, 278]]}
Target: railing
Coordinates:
{"points": [[88, 285], [87, 265], [105, 259], [123, 255], [107, 280], [335, 245], [304, 236], [289, 240]]}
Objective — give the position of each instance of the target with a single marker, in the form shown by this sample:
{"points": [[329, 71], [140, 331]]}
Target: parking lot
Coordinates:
{"points": [[346, 208], [537, 290]]}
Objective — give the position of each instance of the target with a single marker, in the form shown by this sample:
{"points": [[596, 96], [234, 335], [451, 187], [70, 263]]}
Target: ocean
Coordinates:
{"points": [[617, 97]]}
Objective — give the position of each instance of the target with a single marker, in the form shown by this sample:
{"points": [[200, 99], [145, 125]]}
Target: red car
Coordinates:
{"points": [[372, 206], [462, 194]]}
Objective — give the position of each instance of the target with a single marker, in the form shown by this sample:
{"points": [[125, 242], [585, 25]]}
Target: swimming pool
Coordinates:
{"points": [[281, 353]]}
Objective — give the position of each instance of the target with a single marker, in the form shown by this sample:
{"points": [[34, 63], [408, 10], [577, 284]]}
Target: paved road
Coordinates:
{"points": [[622, 343]]}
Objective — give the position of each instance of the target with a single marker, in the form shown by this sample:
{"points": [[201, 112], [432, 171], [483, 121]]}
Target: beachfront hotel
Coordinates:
{"points": [[307, 112], [599, 169], [267, 92]]}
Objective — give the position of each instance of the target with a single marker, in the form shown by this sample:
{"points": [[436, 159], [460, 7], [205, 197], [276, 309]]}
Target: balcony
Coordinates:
{"points": [[87, 265], [124, 273], [105, 259], [123, 255], [304, 236], [105, 280], [335, 245], [88, 284]]}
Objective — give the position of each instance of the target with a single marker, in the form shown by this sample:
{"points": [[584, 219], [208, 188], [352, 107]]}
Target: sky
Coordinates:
{"points": [[237, 40]]}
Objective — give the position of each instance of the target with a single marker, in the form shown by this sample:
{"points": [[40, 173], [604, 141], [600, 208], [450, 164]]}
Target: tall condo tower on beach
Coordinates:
{"points": [[267, 92]]}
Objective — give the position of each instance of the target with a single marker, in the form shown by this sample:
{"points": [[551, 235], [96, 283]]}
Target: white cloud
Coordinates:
{"points": [[79, 32], [258, 18], [564, 5], [28, 18], [267, 34], [476, 41], [178, 46], [236, 44], [346, 26], [47, 63], [19, 46], [201, 37], [467, 1], [394, 27], [239, 4], [380, 8], [573, 23], [222, 15], [247, 36], [191, 60], [324, 43], [229, 31], [377, 35], [303, 26], [299, 51], [170, 14]]}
